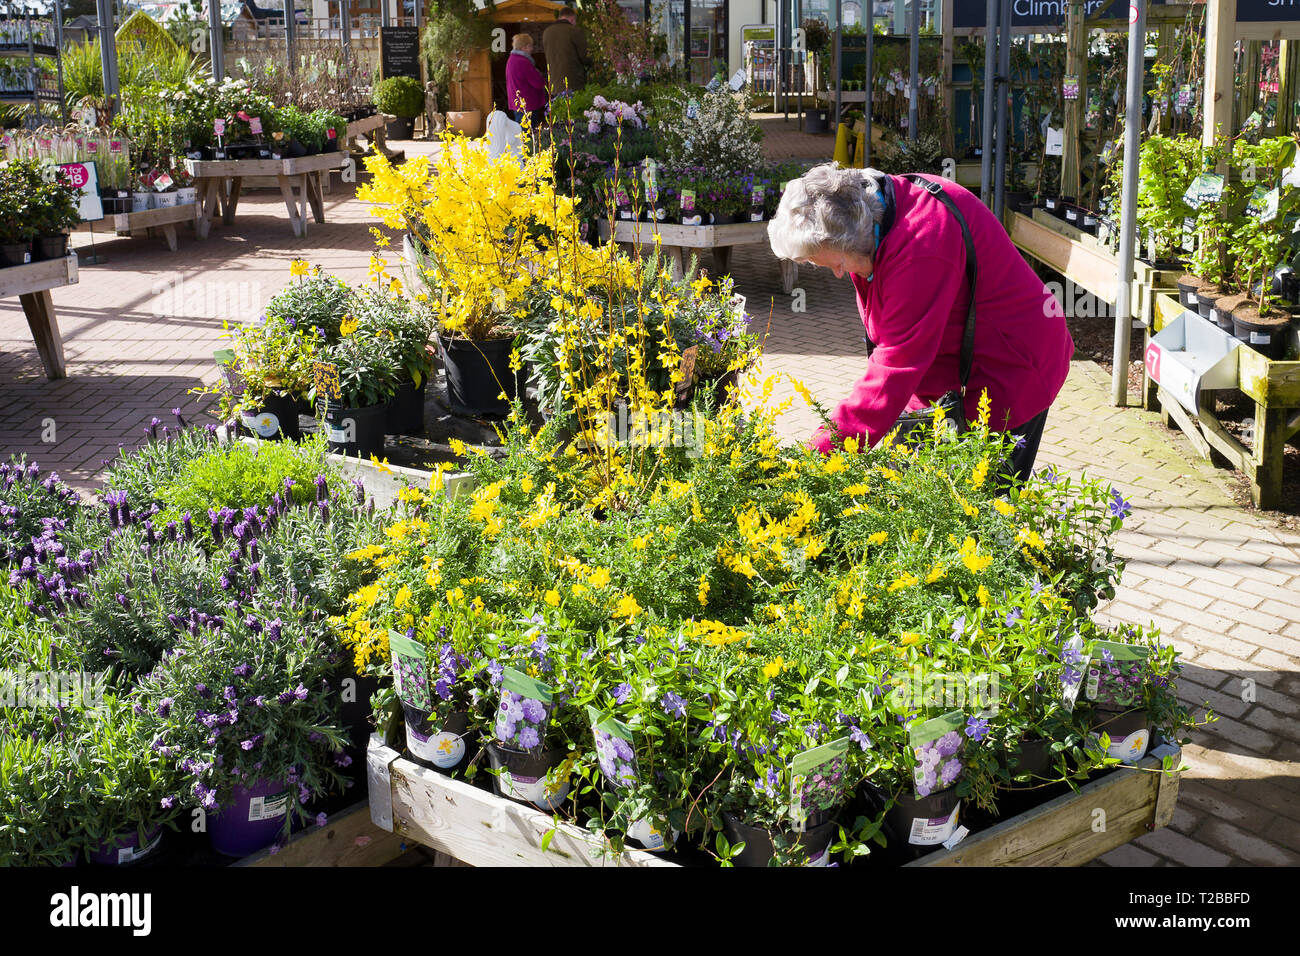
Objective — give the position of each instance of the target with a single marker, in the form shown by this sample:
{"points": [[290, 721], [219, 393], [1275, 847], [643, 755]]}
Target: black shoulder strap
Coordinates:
{"points": [[968, 338]]}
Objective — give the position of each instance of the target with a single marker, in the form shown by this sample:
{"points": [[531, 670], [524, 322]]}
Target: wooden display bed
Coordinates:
{"points": [[1274, 386], [678, 242], [477, 827], [162, 221], [220, 181], [32, 284]]}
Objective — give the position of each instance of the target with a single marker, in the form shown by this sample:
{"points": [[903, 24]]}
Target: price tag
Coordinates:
{"points": [[331, 133], [1055, 145], [327, 380]]}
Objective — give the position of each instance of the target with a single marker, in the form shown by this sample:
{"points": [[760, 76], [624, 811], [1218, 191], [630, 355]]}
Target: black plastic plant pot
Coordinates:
{"points": [[400, 128], [1073, 216], [407, 409], [477, 372], [1088, 222], [50, 247], [1026, 208], [439, 746], [275, 419], [921, 824], [811, 847], [1053, 205], [1187, 287], [521, 776], [15, 254], [331, 145], [1129, 732], [1266, 335], [1032, 757], [1203, 306], [356, 431]]}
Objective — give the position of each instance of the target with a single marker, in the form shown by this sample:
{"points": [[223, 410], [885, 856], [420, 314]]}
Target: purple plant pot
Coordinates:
{"points": [[126, 848], [251, 819]]}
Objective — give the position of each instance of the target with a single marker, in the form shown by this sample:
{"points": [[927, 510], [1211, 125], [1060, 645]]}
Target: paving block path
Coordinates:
{"points": [[1221, 581]]}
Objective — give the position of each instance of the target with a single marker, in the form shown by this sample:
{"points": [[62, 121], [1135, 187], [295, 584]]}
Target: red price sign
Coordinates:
{"points": [[76, 174]]}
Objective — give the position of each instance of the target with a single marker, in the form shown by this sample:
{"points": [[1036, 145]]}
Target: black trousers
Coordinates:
{"points": [[1021, 463]]}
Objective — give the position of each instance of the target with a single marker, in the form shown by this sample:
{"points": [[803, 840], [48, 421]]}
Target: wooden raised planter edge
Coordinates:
{"points": [[482, 829], [38, 276], [247, 168], [1134, 800], [349, 838]]}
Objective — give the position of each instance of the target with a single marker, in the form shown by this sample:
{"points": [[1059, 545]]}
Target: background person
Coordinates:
{"points": [[904, 251], [525, 84], [567, 57]]}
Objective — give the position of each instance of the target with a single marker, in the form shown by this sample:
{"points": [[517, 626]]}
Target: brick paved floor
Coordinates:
{"points": [[1221, 581]]}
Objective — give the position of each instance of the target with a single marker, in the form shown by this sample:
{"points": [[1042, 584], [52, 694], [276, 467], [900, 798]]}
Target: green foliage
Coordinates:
{"points": [[241, 476], [400, 96]]}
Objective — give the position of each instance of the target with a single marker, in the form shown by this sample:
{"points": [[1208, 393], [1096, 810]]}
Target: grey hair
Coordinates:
{"points": [[828, 208]]}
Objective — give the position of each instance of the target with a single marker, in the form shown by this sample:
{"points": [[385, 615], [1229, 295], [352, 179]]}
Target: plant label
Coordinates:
{"points": [[410, 671], [1263, 204], [737, 80], [327, 380], [1055, 145], [1207, 187], [934, 830], [163, 182], [757, 196], [92, 147], [816, 781], [331, 133], [688, 200], [1073, 671], [1116, 673], [114, 147], [255, 126], [219, 127], [268, 808], [936, 751], [1070, 88]]}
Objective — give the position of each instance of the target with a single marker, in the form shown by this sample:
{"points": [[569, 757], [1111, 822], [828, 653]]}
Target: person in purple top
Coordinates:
{"points": [[525, 85], [904, 251]]}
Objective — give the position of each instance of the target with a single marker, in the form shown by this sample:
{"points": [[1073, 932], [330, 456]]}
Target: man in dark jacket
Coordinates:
{"points": [[567, 59]]}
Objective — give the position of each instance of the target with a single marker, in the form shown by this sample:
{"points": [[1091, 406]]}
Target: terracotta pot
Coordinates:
{"points": [[468, 122]]}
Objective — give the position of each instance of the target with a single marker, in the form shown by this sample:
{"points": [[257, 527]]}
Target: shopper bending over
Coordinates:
{"points": [[905, 252]]}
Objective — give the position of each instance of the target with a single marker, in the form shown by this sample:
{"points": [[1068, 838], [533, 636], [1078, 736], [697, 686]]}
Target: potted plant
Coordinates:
{"points": [[21, 210], [431, 682], [238, 706], [356, 380], [275, 358], [401, 97], [403, 332]]}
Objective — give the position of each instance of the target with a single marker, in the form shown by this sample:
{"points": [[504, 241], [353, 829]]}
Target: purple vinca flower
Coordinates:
{"points": [[977, 728], [1119, 507], [622, 692], [673, 704]]}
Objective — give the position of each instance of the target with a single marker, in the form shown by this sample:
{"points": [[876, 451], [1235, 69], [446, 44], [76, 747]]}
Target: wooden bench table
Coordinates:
{"points": [[677, 242], [220, 181], [32, 284]]}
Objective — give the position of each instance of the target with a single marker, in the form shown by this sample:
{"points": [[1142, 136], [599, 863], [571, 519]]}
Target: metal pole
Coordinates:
{"points": [[914, 68], [385, 13], [291, 34], [107, 52], [1137, 20], [986, 127], [779, 86], [58, 59], [1004, 110], [837, 53], [869, 84], [345, 26], [216, 40]]}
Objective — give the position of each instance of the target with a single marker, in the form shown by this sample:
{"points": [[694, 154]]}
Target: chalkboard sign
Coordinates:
{"points": [[1267, 11], [399, 51], [1042, 13]]}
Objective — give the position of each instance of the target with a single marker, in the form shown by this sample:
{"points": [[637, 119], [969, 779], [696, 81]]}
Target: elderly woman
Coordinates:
{"points": [[525, 85], [905, 251]]}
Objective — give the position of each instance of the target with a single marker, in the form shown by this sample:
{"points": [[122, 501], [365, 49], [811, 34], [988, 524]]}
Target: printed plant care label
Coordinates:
{"points": [[932, 831], [1129, 749], [688, 200], [326, 376], [440, 748], [651, 192], [647, 834], [1116, 673], [338, 436], [1072, 215], [622, 198], [816, 781], [936, 749], [1263, 204], [1070, 88], [755, 217], [615, 749], [1207, 187], [263, 424], [268, 808], [129, 854], [410, 671], [695, 220], [535, 790], [255, 125], [219, 127]]}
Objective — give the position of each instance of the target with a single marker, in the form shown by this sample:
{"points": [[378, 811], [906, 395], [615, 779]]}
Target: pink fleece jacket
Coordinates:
{"points": [[524, 80], [914, 308]]}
